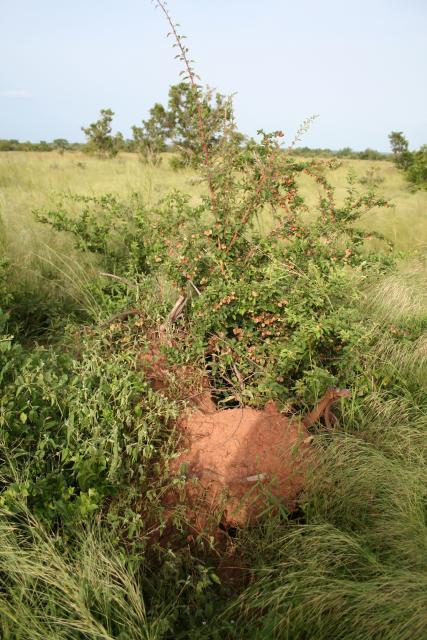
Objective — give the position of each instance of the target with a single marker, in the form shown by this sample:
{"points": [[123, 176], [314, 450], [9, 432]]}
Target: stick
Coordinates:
{"points": [[323, 406], [195, 288], [178, 309], [119, 278], [238, 376]]}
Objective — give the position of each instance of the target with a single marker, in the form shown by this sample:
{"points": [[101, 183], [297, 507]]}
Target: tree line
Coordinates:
{"points": [[174, 127]]}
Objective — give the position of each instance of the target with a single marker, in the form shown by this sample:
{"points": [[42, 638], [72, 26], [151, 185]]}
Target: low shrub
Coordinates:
{"points": [[76, 432]]}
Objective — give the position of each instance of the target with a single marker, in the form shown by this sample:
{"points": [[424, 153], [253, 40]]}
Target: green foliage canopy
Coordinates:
{"points": [[414, 164], [99, 136]]}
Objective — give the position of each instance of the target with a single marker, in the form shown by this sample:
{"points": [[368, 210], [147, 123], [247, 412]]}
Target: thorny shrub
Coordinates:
{"points": [[105, 226], [273, 313]]}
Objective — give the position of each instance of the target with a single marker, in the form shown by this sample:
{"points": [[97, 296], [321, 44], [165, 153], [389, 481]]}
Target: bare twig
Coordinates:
{"points": [[238, 376], [192, 79], [177, 309], [302, 129], [128, 283], [195, 288]]}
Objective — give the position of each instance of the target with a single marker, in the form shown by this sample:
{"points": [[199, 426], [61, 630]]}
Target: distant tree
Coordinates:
{"points": [[150, 139], [183, 112], [400, 149], [99, 137], [414, 164], [371, 154], [60, 144], [345, 152], [417, 171], [118, 142], [9, 145], [178, 124]]}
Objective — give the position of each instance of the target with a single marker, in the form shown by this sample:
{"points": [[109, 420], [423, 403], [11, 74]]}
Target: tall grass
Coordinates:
{"points": [[47, 274], [30, 180], [353, 566], [357, 567], [45, 269], [47, 594]]}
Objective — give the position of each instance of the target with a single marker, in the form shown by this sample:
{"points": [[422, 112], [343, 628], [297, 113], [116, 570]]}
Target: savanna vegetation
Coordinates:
{"points": [[412, 163], [298, 273]]}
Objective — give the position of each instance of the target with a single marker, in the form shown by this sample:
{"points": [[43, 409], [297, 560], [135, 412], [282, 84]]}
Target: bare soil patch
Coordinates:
{"points": [[238, 460]]}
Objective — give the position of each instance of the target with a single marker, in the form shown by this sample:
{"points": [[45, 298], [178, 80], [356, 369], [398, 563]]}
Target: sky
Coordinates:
{"points": [[361, 66]]}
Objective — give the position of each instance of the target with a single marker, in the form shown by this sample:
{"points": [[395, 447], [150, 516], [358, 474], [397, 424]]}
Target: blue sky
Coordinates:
{"points": [[362, 66]]}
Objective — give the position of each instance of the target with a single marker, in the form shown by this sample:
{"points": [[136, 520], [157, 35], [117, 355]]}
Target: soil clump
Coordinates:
{"points": [[238, 461]]}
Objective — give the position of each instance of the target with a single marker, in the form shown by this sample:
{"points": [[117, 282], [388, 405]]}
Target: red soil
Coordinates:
{"points": [[239, 460], [235, 462]]}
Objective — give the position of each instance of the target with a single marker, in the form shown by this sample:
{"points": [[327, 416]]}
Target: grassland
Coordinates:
{"points": [[82, 435], [32, 180]]}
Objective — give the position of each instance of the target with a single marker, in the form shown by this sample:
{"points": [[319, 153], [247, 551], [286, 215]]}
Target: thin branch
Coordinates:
{"points": [[191, 76], [195, 288], [322, 408], [128, 283], [177, 309]]}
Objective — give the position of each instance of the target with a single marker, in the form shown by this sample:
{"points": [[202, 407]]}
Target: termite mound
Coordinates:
{"points": [[233, 463], [239, 461]]}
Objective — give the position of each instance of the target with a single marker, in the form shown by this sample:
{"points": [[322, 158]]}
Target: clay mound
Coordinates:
{"points": [[239, 459], [235, 461]]}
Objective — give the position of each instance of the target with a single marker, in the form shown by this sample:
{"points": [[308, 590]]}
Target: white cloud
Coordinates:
{"points": [[13, 93]]}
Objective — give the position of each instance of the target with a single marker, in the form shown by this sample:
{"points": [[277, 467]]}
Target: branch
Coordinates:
{"points": [[119, 278], [122, 315], [323, 407], [200, 124]]}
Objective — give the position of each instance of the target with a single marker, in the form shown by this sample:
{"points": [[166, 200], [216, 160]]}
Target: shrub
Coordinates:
{"points": [[277, 307], [417, 171], [115, 230], [414, 164], [400, 148], [76, 431], [372, 178], [99, 138]]}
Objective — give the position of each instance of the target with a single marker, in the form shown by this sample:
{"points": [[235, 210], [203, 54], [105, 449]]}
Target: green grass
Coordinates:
{"points": [[351, 565], [39, 258], [88, 595], [31, 180], [357, 568]]}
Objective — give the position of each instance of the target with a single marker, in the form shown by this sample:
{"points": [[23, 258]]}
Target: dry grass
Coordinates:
{"points": [[29, 180]]}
